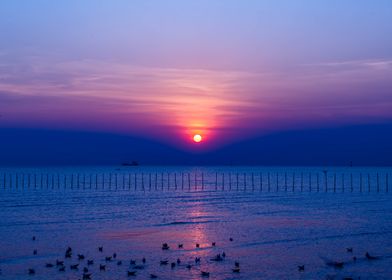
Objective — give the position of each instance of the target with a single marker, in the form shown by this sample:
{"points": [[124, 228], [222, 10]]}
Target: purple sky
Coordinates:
{"points": [[165, 70]]}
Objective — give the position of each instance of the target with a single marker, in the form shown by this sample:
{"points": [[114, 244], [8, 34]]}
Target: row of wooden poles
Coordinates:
{"points": [[199, 181]]}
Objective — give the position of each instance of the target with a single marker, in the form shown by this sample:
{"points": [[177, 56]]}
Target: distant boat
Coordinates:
{"points": [[133, 163]]}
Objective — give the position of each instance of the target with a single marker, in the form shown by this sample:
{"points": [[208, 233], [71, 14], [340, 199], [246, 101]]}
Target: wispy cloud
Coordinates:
{"points": [[117, 96]]}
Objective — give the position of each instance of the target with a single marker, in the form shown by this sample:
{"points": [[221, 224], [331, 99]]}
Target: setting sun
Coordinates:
{"points": [[197, 138]]}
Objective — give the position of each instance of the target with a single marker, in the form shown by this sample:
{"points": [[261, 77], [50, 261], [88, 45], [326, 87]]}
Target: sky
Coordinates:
{"points": [[155, 73]]}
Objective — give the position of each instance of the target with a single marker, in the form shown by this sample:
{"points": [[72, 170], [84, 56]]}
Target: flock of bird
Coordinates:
{"points": [[134, 265], [341, 264]]}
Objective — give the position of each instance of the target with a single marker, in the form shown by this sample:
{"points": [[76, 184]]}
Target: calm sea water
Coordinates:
{"points": [[278, 218]]}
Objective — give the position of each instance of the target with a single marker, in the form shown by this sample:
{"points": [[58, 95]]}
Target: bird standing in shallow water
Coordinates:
{"points": [[217, 258], [369, 257], [301, 268], [68, 253], [31, 271], [153, 276], [131, 273], [205, 274]]}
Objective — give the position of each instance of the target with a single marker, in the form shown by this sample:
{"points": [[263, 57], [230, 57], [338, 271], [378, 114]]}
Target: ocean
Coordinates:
{"points": [[269, 219]]}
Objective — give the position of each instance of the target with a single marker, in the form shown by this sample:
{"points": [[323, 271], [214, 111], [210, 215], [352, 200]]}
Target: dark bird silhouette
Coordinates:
{"points": [[100, 249], [33, 238], [49, 265], [85, 269], [144, 260], [108, 259], [62, 268], [59, 263], [231, 239], [165, 246], [224, 255], [86, 276], [34, 252], [205, 274], [369, 257], [301, 268], [178, 261], [119, 263], [164, 262], [197, 260], [349, 250], [236, 270], [173, 265], [213, 244], [189, 266], [336, 264], [354, 258], [132, 262], [236, 264], [131, 273], [31, 271], [197, 245], [74, 266], [102, 267], [80, 257], [180, 246], [217, 258], [114, 255], [90, 262], [153, 276]]}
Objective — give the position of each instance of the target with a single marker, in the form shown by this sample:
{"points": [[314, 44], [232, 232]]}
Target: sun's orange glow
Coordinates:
{"points": [[197, 138]]}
